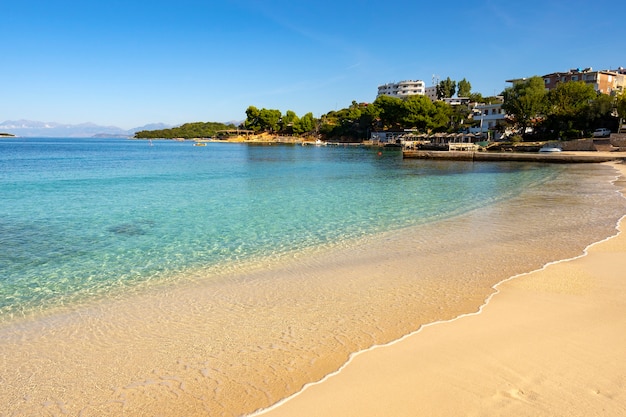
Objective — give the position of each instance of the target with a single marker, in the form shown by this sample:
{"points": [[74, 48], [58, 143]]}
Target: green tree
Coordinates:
{"points": [[392, 111], [446, 88], [263, 120], [350, 123], [476, 98], [441, 116], [269, 120], [308, 122], [569, 108], [370, 117], [571, 98], [289, 118], [252, 118], [601, 107], [620, 106], [418, 111], [525, 102], [464, 89], [305, 124]]}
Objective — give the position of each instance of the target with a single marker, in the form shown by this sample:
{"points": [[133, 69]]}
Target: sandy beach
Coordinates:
{"points": [[548, 343], [207, 344]]}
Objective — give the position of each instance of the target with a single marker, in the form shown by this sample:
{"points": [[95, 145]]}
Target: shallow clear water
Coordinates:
{"points": [[83, 216], [213, 281]]}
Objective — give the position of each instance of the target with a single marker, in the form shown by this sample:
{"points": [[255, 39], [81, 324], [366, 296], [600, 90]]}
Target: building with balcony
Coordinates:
{"points": [[489, 115], [604, 81], [402, 89]]}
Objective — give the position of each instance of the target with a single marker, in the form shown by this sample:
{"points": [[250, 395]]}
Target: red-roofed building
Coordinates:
{"points": [[604, 81]]}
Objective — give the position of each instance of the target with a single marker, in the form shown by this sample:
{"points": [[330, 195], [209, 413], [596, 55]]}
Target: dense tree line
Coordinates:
{"points": [[354, 123], [447, 88], [357, 121], [273, 121], [186, 131], [569, 111]]}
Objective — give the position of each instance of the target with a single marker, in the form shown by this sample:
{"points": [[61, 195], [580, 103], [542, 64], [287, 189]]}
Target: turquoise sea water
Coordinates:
{"points": [[80, 217], [179, 280]]}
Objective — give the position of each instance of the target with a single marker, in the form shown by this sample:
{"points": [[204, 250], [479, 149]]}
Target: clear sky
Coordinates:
{"points": [[128, 63]]}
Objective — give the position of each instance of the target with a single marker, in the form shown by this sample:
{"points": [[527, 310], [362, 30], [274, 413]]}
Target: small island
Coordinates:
{"points": [[6, 135]]}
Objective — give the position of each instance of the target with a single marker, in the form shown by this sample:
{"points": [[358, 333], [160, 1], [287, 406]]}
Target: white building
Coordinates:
{"points": [[456, 101], [402, 89], [489, 115]]}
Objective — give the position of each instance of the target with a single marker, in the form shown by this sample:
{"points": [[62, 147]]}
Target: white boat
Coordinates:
{"points": [[316, 143], [550, 149]]}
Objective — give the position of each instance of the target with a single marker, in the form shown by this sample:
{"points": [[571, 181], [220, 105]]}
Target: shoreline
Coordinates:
{"points": [[389, 379], [159, 352]]}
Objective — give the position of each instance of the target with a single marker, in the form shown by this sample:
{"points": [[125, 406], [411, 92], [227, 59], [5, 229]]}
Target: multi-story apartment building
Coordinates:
{"points": [[431, 92], [604, 81], [402, 89], [489, 115]]}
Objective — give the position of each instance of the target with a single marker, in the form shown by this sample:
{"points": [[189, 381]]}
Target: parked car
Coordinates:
{"points": [[601, 132]]}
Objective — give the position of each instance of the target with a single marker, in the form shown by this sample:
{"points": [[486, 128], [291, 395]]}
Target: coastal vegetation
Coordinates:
{"points": [[566, 112], [270, 121], [446, 88], [358, 120], [569, 111], [186, 131]]}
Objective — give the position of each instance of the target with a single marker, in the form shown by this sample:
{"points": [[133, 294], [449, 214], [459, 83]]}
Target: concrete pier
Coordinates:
{"points": [[556, 157]]}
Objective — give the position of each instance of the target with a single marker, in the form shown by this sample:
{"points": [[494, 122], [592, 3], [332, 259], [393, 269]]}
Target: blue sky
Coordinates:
{"points": [[128, 63]]}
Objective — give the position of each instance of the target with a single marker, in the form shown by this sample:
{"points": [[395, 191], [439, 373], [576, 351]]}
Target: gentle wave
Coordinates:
{"points": [[480, 309]]}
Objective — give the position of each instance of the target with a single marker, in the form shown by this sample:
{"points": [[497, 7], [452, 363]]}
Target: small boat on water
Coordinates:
{"points": [[318, 142], [199, 144]]}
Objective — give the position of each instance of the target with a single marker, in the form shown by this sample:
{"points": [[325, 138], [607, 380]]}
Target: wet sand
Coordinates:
{"points": [[549, 343]]}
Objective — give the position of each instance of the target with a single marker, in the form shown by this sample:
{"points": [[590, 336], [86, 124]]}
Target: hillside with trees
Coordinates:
{"points": [[357, 121], [571, 110], [186, 131]]}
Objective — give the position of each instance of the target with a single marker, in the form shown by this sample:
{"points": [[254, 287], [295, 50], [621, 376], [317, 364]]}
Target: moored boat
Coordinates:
{"points": [[547, 148]]}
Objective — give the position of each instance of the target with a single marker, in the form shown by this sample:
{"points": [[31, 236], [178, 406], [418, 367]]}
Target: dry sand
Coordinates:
{"points": [[549, 343]]}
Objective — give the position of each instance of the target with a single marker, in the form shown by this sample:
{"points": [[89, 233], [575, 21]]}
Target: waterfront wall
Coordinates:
{"points": [[556, 157]]}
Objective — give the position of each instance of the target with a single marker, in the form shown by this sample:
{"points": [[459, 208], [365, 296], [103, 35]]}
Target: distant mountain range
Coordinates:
{"points": [[30, 128]]}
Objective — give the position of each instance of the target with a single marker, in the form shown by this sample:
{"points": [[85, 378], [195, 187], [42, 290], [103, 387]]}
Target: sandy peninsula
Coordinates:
{"points": [[548, 343]]}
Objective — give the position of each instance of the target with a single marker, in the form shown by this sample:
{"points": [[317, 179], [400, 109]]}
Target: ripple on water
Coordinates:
{"points": [[227, 343]]}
